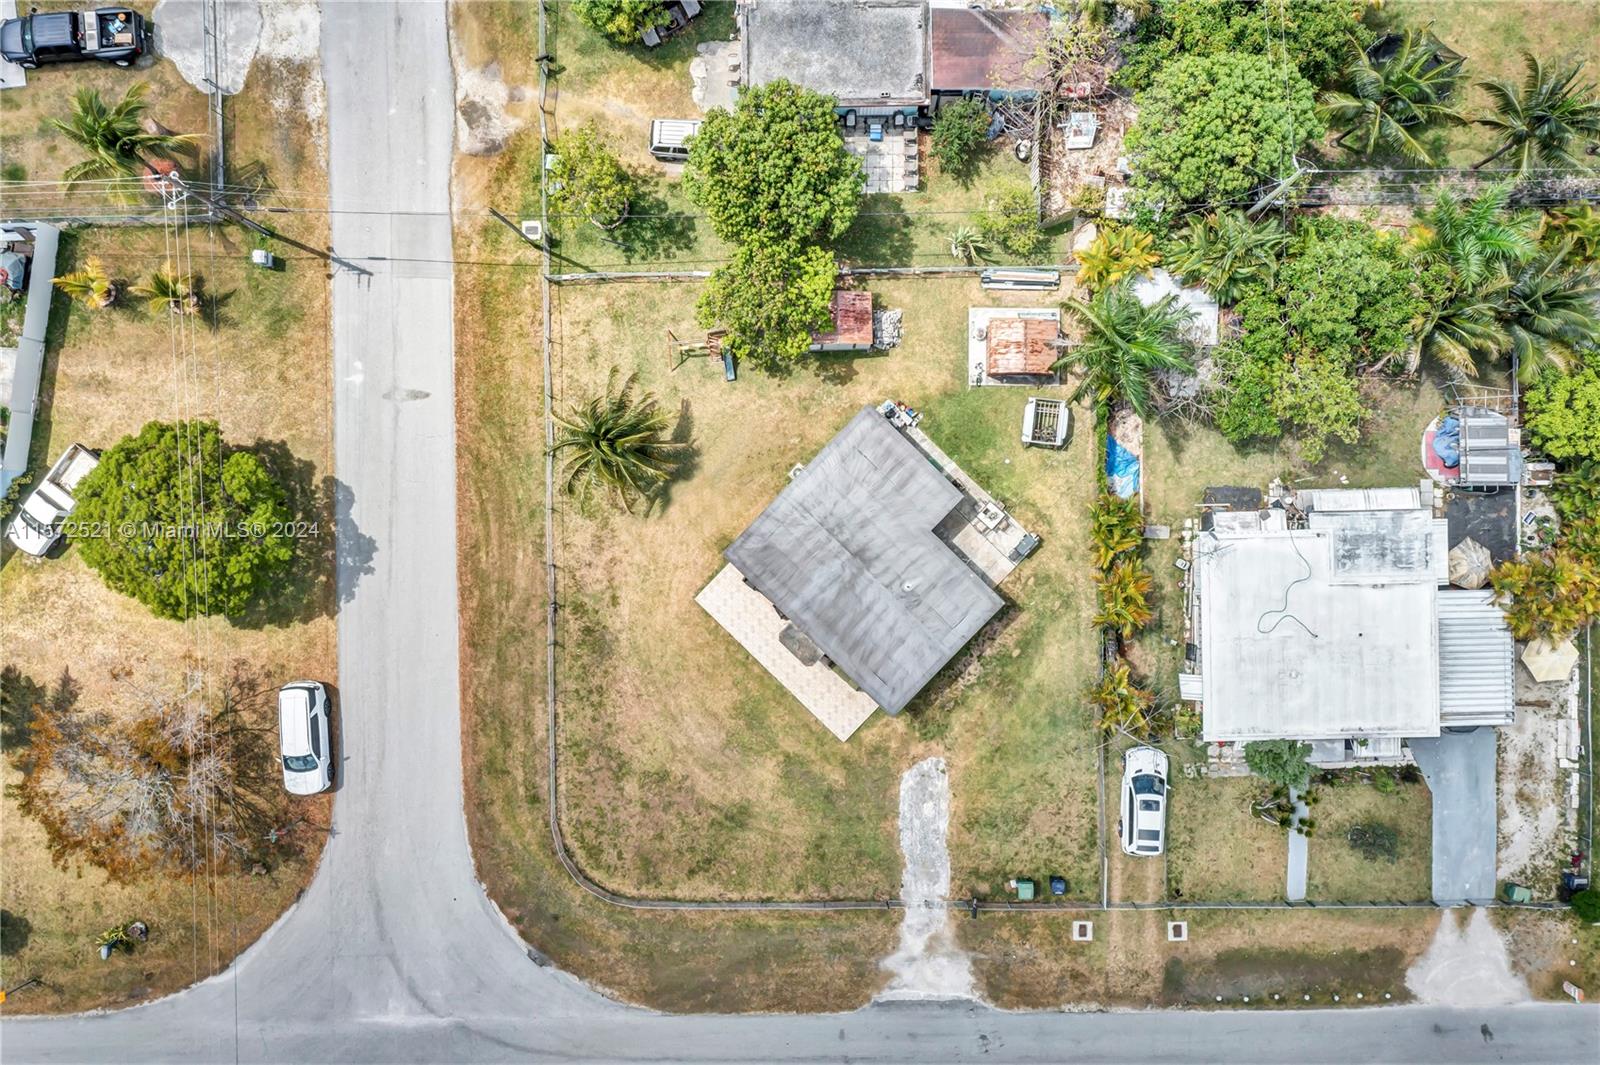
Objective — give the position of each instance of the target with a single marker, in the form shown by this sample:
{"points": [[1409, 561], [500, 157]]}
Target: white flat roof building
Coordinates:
{"points": [[1336, 626]]}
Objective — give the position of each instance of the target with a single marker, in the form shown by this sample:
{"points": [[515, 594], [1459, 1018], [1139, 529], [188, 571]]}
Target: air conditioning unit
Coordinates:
{"points": [[533, 229]]}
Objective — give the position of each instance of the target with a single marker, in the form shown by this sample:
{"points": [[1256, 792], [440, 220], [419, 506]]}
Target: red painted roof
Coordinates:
{"points": [[1021, 345]]}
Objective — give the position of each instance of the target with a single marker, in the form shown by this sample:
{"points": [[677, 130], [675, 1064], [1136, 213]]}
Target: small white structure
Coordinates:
{"points": [[37, 242], [1045, 422], [1082, 127], [1203, 327]]}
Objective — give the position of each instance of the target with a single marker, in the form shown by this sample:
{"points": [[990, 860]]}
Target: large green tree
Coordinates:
{"points": [[1341, 301], [775, 169], [1545, 120], [1216, 128], [960, 137], [621, 21], [588, 179], [770, 298], [1310, 34], [183, 523], [1124, 345], [1564, 414]]}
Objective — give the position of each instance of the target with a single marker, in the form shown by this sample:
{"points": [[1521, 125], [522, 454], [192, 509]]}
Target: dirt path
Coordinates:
{"points": [[1466, 966], [929, 964]]}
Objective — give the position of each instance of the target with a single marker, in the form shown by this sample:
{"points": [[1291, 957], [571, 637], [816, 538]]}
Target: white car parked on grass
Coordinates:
{"points": [[303, 737], [1143, 825]]}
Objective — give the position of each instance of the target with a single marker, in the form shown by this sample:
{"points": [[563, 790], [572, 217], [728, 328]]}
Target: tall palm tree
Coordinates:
{"points": [[1552, 310], [1124, 345], [1543, 119], [1477, 238], [168, 292], [1226, 251], [90, 286], [1389, 103], [114, 136], [617, 444]]}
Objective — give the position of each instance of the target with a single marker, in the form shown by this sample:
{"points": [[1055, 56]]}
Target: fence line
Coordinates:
{"points": [[844, 271]]}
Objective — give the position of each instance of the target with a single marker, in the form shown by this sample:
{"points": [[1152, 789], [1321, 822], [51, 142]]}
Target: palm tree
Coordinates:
{"points": [[1551, 310], [1121, 705], [168, 291], [91, 286], [1458, 331], [1477, 238], [1125, 343], [1582, 224], [1542, 119], [617, 444], [1226, 251], [1115, 253], [1389, 103], [114, 136], [1124, 598], [966, 244]]}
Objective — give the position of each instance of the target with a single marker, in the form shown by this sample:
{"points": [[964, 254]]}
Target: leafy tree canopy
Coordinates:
{"points": [[181, 522], [621, 21], [1311, 33], [960, 137], [1217, 127], [1011, 219], [1342, 300], [1281, 762], [775, 168], [770, 299], [1563, 413], [588, 179]]}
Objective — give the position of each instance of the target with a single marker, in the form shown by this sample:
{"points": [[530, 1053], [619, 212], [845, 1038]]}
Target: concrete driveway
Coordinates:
{"points": [[1460, 770]]}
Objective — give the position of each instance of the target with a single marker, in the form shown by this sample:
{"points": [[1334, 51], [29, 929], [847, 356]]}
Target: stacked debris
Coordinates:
{"points": [[886, 326]]}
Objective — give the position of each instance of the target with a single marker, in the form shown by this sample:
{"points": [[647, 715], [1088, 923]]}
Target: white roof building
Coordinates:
{"points": [[1332, 620], [1203, 327]]}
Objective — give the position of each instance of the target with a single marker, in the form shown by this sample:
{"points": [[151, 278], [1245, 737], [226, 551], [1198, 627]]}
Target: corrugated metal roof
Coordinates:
{"points": [[848, 553], [1021, 345], [1476, 682], [985, 49], [852, 320]]}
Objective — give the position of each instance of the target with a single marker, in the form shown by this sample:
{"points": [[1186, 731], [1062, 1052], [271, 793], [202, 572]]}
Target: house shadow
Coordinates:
{"points": [[331, 554]]}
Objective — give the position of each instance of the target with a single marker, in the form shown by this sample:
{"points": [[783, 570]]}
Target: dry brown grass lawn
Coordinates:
{"points": [[1032, 963], [1217, 848], [264, 375], [1335, 871], [689, 770], [1549, 948], [31, 149]]}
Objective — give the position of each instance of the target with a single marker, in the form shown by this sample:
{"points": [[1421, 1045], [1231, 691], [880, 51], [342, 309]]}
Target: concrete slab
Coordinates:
{"points": [[1295, 882], [750, 619], [1460, 770]]}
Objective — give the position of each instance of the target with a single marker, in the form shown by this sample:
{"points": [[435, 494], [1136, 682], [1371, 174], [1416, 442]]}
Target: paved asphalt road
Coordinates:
{"points": [[394, 954]]}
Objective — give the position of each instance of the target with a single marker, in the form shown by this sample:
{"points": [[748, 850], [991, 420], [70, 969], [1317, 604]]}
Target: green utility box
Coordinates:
{"points": [[1025, 889]]}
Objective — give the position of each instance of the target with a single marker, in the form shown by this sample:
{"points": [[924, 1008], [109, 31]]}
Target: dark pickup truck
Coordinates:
{"points": [[109, 34]]}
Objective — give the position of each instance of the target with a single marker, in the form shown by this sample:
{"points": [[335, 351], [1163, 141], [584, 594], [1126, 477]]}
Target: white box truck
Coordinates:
{"points": [[38, 523]]}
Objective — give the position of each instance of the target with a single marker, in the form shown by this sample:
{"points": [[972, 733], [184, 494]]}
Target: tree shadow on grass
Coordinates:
{"points": [[22, 701], [689, 461], [655, 229], [15, 931], [331, 553]]}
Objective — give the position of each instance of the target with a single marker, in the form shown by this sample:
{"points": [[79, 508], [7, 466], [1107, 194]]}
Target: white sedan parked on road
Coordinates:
{"points": [[303, 737], [1143, 826]]}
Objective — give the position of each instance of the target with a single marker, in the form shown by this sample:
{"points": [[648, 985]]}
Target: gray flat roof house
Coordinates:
{"points": [[867, 53], [848, 554]]}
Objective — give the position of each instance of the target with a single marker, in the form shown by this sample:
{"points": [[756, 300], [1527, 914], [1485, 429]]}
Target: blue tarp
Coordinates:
{"points": [[1447, 441], [1122, 469]]}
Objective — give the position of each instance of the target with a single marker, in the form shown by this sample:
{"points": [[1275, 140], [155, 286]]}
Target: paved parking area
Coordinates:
{"points": [[1460, 770]]}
